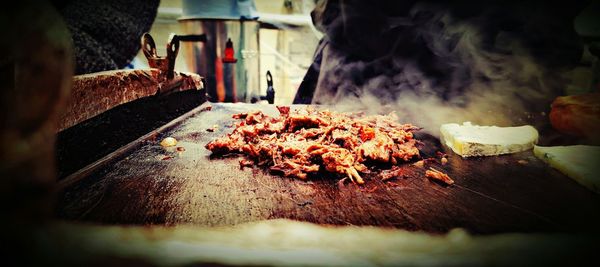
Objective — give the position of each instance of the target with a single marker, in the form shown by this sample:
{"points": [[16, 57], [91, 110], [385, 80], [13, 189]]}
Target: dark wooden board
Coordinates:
{"points": [[150, 185]]}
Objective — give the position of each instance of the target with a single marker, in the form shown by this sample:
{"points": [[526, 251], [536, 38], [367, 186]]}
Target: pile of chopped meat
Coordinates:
{"points": [[306, 141]]}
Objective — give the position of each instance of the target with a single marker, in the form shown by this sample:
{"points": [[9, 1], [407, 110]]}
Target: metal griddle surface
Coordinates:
{"points": [[146, 184]]}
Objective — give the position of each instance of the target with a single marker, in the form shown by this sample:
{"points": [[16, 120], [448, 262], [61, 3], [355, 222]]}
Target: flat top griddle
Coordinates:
{"points": [[143, 183]]}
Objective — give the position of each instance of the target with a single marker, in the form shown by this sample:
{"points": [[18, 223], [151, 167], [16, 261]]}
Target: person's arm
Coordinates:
{"points": [[106, 34], [306, 90]]}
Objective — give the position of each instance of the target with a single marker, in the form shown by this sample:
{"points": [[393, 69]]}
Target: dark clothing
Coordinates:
{"points": [[106, 34], [306, 89], [434, 47]]}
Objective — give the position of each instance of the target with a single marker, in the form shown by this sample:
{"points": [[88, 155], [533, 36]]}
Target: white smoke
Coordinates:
{"points": [[499, 87]]}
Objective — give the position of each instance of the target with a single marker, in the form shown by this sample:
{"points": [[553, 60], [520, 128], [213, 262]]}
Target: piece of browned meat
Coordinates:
{"points": [[439, 176], [304, 141]]}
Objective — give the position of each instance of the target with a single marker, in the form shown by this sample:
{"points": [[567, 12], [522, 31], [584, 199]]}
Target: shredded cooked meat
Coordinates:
{"points": [[395, 171], [306, 141], [439, 176]]}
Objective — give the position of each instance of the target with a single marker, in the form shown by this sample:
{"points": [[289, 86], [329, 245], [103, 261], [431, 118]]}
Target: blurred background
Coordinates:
{"points": [[283, 29]]}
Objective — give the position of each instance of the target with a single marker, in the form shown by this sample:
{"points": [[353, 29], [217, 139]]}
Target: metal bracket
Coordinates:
{"points": [[165, 64]]}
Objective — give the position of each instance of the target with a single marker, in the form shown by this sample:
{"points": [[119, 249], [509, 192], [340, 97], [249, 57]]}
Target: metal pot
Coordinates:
{"points": [[227, 79]]}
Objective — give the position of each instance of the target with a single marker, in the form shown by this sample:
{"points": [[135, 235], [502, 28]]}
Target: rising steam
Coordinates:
{"points": [[487, 82]]}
